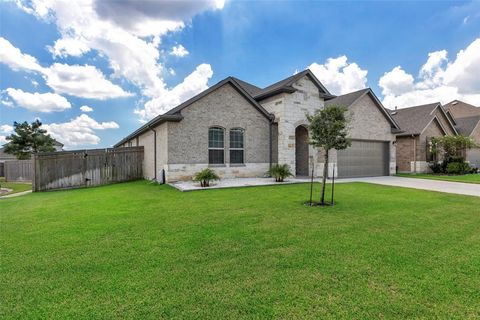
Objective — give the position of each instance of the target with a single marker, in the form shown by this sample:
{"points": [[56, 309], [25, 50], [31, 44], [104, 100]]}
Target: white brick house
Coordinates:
{"points": [[240, 130]]}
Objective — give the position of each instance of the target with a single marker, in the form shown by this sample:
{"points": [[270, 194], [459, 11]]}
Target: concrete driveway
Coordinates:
{"points": [[469, 189]]}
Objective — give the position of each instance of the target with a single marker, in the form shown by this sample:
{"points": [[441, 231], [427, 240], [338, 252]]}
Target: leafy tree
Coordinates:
{"points": [[328, 130], [452, 146], [28, 139]]}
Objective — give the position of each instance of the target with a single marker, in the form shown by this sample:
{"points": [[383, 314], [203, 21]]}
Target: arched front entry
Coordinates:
{"points": [[301, 151]]}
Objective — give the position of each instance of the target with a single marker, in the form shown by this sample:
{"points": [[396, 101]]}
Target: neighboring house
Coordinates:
{"points": [[459, 109], [58, 146], [240, 129], [419, 125], [467, 118], [6, 156]]}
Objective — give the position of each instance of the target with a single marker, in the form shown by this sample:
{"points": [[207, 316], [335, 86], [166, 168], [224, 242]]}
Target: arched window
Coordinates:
{"points": [[236, 145], [216, 145]]}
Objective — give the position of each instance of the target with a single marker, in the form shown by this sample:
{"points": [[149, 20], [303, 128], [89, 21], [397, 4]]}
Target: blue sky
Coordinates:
{"points": [[118, 58]]}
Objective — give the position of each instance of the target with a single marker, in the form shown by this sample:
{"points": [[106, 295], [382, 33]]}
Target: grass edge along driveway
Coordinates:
{"points": [[138, 250], [15, 186], [465, 178]]}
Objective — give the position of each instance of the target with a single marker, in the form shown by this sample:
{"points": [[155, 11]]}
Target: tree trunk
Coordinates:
{"points": [[324, 177]]}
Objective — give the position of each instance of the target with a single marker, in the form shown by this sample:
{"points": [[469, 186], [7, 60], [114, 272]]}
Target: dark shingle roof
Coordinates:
{"points": [[175, 115], [466, 125], [414, 119], [460, 109], [250, 88], [285, 85], [346, 100], [251, 92]]}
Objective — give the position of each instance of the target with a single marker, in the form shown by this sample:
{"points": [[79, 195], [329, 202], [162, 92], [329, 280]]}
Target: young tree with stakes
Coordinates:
{"points": [[328, 130], [28, 139]]}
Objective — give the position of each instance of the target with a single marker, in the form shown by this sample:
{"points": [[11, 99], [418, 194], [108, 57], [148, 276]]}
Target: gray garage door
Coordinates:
{"points": [[364, 159]]}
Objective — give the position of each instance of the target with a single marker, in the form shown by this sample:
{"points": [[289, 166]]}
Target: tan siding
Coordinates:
{"points": [[146, 140]]}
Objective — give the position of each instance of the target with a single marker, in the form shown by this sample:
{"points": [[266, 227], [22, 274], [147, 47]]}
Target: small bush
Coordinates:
{"points": [[280, 172], [205, 176], [436, 167], [458, 168]]}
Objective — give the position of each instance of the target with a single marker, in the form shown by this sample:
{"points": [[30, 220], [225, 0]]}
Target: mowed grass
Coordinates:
{"points": [[466, 178], [15, 186], [138, 250]]}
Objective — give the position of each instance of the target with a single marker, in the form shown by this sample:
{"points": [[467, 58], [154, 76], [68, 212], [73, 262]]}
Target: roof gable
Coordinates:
{"points": [[349, 99], [282, 86], [414, 120], [460, 109], [175, 115], [467, 125]]}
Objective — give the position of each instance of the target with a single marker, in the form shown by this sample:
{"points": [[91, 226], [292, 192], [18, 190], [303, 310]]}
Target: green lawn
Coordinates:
{"points": [[15, 186], [467, 178], [139, 250]]}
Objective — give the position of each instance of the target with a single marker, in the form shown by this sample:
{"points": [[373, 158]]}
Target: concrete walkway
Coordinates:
{"points": [[18, 194], [423, 184], [469, 189], [235, 183]]}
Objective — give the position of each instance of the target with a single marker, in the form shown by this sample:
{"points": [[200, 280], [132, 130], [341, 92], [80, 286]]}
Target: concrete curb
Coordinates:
{"points": [[18, 194]]}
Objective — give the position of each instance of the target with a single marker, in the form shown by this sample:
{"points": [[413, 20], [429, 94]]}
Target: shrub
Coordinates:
{"points": [[205, 176], [458, 168], [280, 172], [436, 167]]}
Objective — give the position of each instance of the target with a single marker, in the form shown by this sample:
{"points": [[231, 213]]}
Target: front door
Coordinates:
{"points": [[301, 151]]}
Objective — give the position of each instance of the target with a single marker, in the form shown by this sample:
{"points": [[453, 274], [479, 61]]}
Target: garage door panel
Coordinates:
{"points": [[363, 159]]}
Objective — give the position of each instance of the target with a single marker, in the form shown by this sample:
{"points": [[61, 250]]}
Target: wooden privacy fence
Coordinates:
{"points": [[85, 168], [18, 170]]}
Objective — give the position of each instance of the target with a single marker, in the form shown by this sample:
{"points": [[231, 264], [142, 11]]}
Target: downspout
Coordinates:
{"points": [[154, 153], [271, 144], [414, 154]]}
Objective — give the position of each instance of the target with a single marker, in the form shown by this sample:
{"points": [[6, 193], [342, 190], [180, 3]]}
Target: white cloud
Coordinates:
{"points": [[396, 82], [7, 103], [39, 102], [440, 79], [126, 33], [3, 140], [5, 128], [86, 109], [82, 81], [15, 59], [145, 17], [179, 51], [78, 131], [193, 84], [339, 76], [68, 47]]}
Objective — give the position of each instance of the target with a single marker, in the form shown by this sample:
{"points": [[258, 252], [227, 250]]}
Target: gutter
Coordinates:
{"points": [[414, 153], [154, 152], [270, 144]]}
